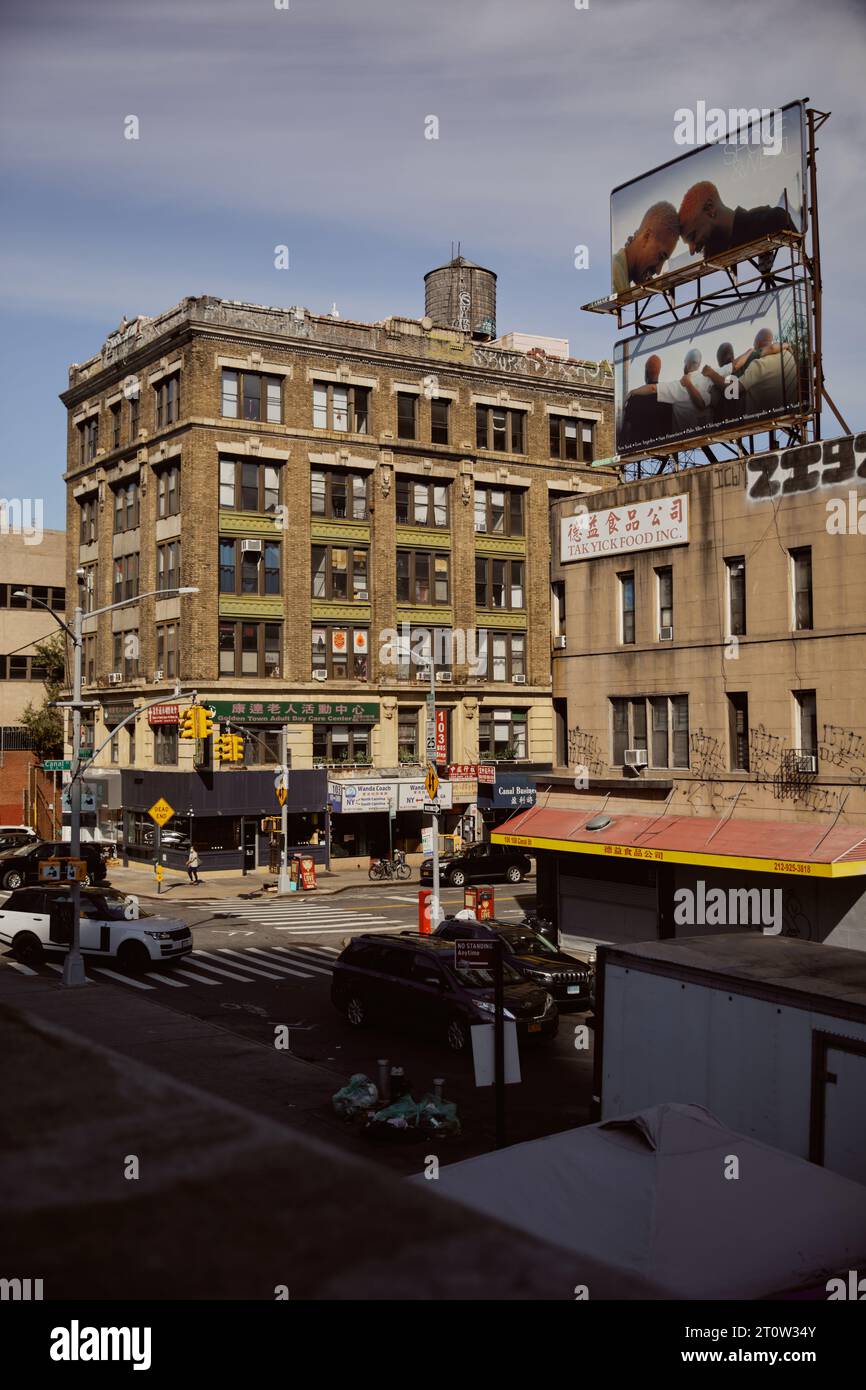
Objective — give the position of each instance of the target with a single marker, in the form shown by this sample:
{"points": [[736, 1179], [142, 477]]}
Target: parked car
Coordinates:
{"points": [[481, 863], [567, 978], [112, 927], [411, 983], [14, 839], [20, 866], [25, 830]]}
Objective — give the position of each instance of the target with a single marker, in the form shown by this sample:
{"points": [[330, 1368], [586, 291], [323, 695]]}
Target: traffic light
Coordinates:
{"points": [[236, 754], [189, 722], [205, 722]]}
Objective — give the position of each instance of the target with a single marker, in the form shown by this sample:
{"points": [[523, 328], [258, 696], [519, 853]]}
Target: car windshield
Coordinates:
{"points": [[479, 977], [528, 943]]}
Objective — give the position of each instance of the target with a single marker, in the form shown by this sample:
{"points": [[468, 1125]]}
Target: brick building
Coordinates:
{"points": [[32, 560], [708, 688], [332, 489]]}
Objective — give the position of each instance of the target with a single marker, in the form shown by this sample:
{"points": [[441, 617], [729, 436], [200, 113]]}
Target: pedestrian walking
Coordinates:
{"points": [[192, 865]]}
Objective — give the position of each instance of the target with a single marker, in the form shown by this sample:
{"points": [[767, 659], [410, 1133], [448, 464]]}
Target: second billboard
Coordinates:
{"points": [[741, 367]]}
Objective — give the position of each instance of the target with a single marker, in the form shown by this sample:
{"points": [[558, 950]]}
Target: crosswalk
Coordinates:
{"points": [[213, 967], [302, 919]]}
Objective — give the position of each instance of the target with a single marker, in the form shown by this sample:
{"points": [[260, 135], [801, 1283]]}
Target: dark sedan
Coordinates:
{"points": [[19, 867], [480, 864], [566, 977]]}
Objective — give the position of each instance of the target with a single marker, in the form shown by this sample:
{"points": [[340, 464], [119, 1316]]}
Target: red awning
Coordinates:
{"points": [[763, 846]]}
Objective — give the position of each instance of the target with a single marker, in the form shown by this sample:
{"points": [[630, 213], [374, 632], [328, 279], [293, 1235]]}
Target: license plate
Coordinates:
{"points": [[574, 989], [534, 1028]]}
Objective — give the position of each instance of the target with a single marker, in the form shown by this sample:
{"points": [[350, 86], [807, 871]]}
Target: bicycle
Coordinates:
{"points": [[390, 868]]}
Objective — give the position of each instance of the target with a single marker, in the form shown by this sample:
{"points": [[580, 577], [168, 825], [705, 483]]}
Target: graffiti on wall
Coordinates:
{"points": [[584, 750], [805, 467]]}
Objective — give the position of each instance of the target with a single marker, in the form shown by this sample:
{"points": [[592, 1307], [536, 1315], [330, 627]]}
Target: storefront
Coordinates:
{"points": [[371, 817], [500, 794]]}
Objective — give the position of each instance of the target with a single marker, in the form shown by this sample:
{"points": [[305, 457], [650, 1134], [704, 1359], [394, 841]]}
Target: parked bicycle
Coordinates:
{"points": [[390, 868]]}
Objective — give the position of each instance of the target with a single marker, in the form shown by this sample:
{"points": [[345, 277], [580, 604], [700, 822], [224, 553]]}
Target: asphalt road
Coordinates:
{"points": [[260, 965]]}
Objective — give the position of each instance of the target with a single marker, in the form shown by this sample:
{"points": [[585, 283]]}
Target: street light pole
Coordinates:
{"points": [[431, 744], [73, 963], [283, 881]]}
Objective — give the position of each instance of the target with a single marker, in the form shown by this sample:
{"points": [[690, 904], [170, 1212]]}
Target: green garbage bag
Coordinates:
{"points": [[356, 1098], [438, 1116]]}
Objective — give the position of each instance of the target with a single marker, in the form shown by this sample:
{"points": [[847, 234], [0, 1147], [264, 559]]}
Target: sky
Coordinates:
{"points": [[305, 126]]}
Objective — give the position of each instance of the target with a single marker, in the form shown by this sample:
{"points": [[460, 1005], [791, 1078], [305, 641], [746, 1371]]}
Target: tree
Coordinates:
{"points": [[43, 724]]}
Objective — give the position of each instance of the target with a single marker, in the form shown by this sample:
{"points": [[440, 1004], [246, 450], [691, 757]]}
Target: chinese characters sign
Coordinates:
{"points": [[297, 711], [619, 530]]}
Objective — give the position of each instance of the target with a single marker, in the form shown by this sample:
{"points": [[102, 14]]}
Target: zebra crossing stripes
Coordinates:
{"points": [[307, 919], [247, 966]]}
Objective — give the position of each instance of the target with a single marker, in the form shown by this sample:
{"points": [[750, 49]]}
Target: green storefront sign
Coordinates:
{"points": [[296, 711], [57, 765]]}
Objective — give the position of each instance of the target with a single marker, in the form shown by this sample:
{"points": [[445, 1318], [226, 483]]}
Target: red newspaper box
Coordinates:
{"points": [[308, 871], [479, 901], [424, 898]]}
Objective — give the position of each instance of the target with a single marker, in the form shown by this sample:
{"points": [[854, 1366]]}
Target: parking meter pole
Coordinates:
{"points": [[73, 964], [499, 1045], [283, 884]]}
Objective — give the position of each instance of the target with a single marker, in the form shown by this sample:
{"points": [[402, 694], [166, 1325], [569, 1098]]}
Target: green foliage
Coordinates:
{"points": [[45, 725]]}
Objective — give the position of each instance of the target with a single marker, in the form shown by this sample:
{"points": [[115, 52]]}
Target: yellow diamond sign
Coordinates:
{"points": [[281, 794], [161, 812], [431, 782]]}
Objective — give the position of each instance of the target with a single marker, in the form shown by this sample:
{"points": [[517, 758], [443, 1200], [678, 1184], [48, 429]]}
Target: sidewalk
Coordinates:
{"points": [[176, 887]]}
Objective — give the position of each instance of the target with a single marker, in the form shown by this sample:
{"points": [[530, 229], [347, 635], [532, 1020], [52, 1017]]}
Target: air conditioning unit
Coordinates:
{"points": [[159, 675], [363, 596], [422, 675], [806, 762], [251, 546], [560, 642], [666, 634], [519, 680], [445, 677], [320, 675], [635, 757], [115, 677]]}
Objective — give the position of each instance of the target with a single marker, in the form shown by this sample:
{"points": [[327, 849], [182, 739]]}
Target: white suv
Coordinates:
{"points": [[35, 920]]}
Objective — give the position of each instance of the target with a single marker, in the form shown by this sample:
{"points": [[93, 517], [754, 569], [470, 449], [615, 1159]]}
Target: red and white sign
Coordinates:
{"points": [[163, 714], [487, 772], [623, 530], [441, 735], [462, 772]]}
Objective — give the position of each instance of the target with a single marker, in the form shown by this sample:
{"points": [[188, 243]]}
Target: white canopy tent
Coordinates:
{"points": [[648, 1194]]}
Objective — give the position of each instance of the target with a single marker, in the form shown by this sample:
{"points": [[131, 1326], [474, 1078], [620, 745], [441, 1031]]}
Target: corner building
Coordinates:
{"points": [[332, 489]]}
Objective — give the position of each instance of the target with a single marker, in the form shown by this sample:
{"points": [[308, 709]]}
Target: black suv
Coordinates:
{"points": [[567, 978], [21, 866], [411, 983], [480, 864]]}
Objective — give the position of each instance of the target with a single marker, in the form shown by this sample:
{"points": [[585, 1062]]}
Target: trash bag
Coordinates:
{"points": [[400, 1120], [356, 1098], [438, 1116]]}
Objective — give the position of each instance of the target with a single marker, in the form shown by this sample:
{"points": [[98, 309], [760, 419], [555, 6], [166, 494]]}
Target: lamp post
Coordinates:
{"points": [[73, 963]]}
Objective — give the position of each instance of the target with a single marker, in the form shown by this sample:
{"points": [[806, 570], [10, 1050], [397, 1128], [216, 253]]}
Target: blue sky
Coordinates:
{"points": [[305, 126]]}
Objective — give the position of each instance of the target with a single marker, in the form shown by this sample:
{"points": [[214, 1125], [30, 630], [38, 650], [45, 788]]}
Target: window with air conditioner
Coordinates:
{"points": [[806, 706], [665, 587], [656, 724]]}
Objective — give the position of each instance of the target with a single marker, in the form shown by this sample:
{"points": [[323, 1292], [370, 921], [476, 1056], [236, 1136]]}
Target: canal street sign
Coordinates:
{"points": [[160, 812], [57, 765]]}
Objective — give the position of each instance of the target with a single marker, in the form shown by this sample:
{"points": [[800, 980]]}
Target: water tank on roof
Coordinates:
{"points": [[462, 295]]}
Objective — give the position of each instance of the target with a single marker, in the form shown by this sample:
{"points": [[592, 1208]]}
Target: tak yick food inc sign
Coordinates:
{"points": [[621, 530]]}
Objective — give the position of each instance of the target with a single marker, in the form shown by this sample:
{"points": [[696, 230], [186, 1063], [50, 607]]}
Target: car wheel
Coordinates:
{"points": [[13, 879], [513, 874], [27, 948], [457, 878], [457, 1035], [133, 957], [356, 1011]]}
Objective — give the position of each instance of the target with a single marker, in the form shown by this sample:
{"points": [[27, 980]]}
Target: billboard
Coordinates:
{"points": [[710, 201], [734, 370], [617, 530]]}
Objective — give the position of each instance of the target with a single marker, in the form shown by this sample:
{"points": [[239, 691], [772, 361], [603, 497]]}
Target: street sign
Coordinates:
{"points": [[431, 782], [431, 808], [57, 765], [62, 870], [161, 813], [281, 794], [470, 952]]}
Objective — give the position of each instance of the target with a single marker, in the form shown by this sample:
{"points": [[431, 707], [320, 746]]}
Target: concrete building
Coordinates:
{"points": [[336, 491], [709, 650], [32, 560]]}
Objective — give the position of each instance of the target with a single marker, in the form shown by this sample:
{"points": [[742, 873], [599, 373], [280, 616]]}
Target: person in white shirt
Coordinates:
{"points": [[689, 398]]}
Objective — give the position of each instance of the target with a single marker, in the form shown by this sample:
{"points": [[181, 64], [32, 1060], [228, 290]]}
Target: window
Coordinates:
{"points": [[88, 520], [340, 572], [665, 584], [90, 587], [502, 655], [626, 585], [134, 416], [421, 504], [340, 743], [249, 567], [88, 439], [249, 487], [125, 577], [571, 438], [115, 748], [341, 652], [167, 398], [801, 566], [502, 733], [166, 650], [344, 408], [338, 493], [499, 429], [261, 744], [499, 511], [414, 649], [250, 649], [738, 731], [88, 660], [168, 565], [35, 596], [260, 397], [407, 415], [807, 721], [126, 507], [658, 724], [168, 491], [423, 577], [440, 415], [130, 730], [407, 736], [21, 668], [736, 567], [498, 583], [125, 653], [165, 745], [115, 426]]}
